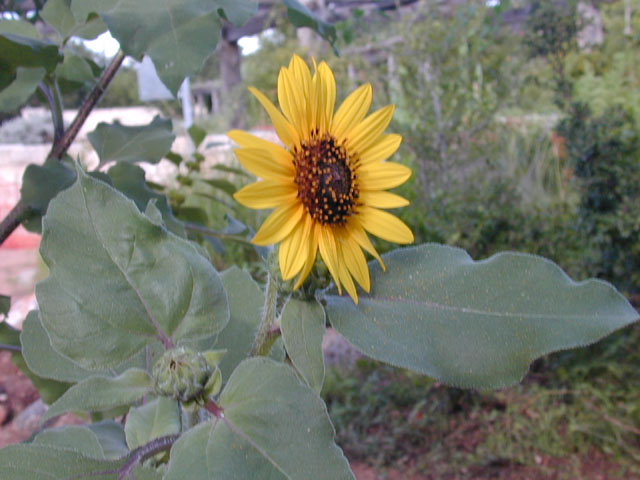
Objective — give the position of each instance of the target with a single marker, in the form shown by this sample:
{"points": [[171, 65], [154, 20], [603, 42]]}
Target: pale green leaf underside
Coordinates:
{"points": [[303, 326], [120, 143], [474, 324], [21, 89], [156, 418], [118, 282], [97, 394]]}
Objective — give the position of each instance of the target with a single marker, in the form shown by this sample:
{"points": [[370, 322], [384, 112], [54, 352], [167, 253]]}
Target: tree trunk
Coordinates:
{"points": [[232, 87]]}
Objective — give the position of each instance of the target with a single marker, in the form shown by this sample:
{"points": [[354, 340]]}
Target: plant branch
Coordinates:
{"points": [[59, 148], [140, 454], [21, 211], [9, 223], [11, 348], [212, 233], [265, 336]]}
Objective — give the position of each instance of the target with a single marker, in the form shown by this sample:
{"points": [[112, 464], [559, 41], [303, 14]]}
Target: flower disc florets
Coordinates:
{"points": [[326, 183], [182, 374]]}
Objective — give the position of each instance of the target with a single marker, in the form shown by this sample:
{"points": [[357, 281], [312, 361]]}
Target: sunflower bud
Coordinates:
{"points": [[185, 375]]}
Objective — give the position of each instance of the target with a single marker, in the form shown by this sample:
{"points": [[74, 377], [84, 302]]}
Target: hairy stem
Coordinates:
{"points": [[11, 348], [264, 337], [140, 454], [21, 211]]}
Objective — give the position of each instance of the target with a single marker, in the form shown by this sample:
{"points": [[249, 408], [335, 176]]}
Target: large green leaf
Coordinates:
{"points": [[118, 282], [273, 416], [178, 35], [111, 436], [18, 27], [154, 419], [130, 180], [97, 394], [189, 455], [238, 12], [36, 462], [72, 437], [57, 13], [20, 90], [23, 51], [474, 324], [246, 301], [119, 143], [303, 324]]}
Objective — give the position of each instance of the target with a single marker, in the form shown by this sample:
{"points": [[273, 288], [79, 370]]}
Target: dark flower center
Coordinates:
{"points": [[326, 183]]}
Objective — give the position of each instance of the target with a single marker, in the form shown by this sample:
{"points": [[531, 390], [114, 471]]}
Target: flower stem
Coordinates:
{"points": [[265, 337]]}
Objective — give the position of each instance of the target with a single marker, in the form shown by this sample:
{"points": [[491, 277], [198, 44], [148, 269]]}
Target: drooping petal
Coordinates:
{"points": [[367, 132], [266, 194], [261, 163], [285, 131], [352, 111], [382, 149], [382, 199], [382, 176], [345, 278], [356, 262], [293, 249], [314, 234], [329, 253], [355, 231], [279, 224], [384, 225]]}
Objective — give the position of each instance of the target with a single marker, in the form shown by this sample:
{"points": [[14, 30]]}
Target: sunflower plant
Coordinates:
{"points": [[183, 371]]}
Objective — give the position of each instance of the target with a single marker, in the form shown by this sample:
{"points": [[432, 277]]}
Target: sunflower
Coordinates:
{"points": [[327, 182]]}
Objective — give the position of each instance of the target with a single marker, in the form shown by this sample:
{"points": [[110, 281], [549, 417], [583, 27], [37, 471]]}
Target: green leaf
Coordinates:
{"points": [[197, 134], [303, 325], [474, 324], [97, 394], [174, 158], [227, 169], [18, 51], [19, 27], [130, 180], [78, 439], [49, 390], [111, 436], [156, 418], [118, 143], [75, 69], [20, 90], [40, 184], [246, 301], [301, 16], [189, 455], [5, 304], [35, 462], [221, 184], [238, 12], [271, 415], [118, 282], [57, 13], [178, 35]]}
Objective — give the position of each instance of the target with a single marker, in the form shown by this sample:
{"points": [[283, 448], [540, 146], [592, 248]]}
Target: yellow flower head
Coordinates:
{"points": [[328, 182]]}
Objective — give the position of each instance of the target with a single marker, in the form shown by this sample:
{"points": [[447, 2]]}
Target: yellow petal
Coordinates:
{"points": [[293, 249], [381, 199], [328, 83], [345, 278], [316, 104], [329, 254], [279, 224], [356, 262], [284, 129], [382, 149], [367, 132], [352, 111], [311, 255], [357, 233], [266, 194], [381, 176], [262, 164], [300, 71], [384, 225], [293, 103], [279, 154]]}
